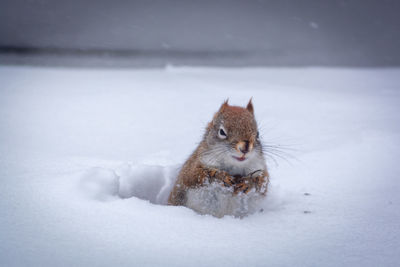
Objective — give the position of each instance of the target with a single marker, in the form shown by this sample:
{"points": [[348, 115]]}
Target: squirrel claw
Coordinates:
{"points": [[228, 181], [256, 173], [242, 188], [246, 190], [212, 172]]}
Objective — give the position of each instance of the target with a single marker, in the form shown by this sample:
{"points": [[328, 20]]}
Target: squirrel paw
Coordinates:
{"points": [[228, 181], [257, 173], [221, 176], [242, 187]]}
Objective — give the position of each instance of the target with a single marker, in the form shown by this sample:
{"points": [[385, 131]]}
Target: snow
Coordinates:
{"points": [[87, 158]]}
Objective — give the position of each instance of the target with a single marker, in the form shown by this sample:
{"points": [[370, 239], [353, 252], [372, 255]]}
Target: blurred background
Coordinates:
{"points": [[155, 33]]}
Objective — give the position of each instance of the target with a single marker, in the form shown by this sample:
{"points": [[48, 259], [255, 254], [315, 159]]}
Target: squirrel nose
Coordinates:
{"points": [[244, 146]]}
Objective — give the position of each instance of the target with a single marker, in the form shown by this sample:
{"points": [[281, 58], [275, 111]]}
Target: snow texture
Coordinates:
{"points": [[88, 157], [218, 201]]}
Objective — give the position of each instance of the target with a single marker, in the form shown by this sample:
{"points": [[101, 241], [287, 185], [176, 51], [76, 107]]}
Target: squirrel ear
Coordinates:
{"points": [[250, 106], [224, 105]]}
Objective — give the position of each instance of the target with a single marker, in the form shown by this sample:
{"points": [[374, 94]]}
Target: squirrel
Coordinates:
{"points": [[229, 155]]}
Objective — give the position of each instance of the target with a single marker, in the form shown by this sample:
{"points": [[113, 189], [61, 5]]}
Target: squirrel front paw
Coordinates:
{"points": [[243, 187], [221, 176], [257, 173], [256, 180]]}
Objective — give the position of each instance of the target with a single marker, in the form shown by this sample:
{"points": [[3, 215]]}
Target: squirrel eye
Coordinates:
{"points": [[222, 133]]}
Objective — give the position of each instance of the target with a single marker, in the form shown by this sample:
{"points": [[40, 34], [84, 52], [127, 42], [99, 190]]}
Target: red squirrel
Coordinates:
{"points": [[230, 156]]}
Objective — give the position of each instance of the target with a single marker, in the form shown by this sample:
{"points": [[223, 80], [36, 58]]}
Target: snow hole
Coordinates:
{"points": [[147, 182]]}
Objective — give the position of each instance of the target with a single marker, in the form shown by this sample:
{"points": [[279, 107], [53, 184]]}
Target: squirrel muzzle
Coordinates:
{"points": [[244, 146]]}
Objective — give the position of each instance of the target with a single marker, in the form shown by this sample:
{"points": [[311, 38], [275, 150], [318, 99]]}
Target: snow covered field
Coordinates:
{"points": [[87, 158]]}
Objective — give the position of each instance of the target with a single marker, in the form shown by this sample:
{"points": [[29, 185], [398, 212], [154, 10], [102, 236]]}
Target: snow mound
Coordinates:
{"points": [[218, 201], [147, 182], [100, 183]]}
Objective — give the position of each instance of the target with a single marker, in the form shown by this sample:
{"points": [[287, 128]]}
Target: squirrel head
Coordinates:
{"points": [[232, 140]]}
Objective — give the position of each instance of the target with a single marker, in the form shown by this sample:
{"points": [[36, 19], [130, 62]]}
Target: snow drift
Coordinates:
{"points": [[87, 156]]}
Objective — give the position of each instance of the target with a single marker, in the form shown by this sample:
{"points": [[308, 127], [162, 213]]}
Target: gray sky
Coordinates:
{"points": [[282, 32]]}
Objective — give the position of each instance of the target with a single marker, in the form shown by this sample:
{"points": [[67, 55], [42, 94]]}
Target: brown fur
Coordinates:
{"points": [[242, 126]]}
